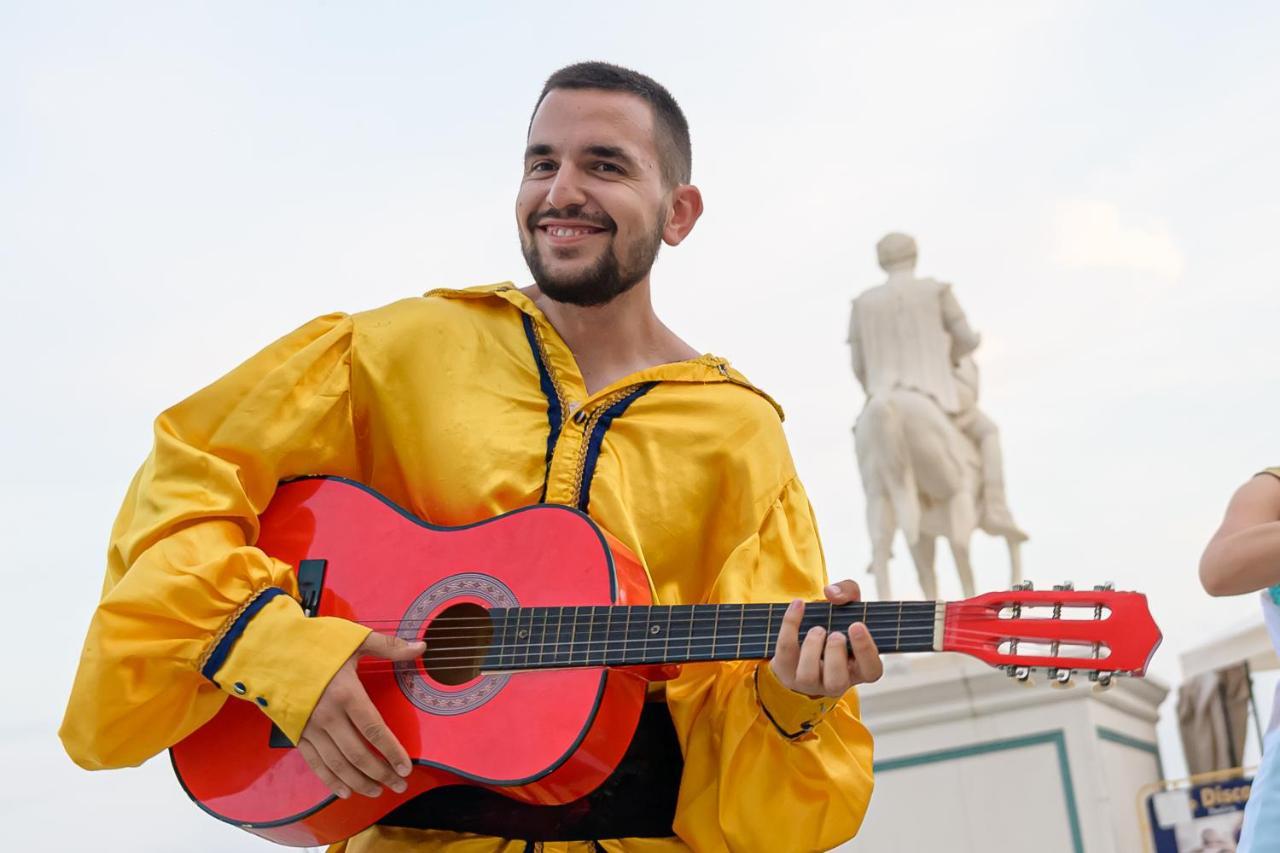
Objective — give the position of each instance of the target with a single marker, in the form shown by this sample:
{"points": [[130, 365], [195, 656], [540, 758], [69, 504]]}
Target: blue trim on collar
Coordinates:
{"points": [[223, 649], [597, 438], [555, 418]]}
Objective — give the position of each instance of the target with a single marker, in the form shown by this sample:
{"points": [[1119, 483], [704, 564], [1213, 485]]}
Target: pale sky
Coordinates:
{"points": [[181, 183]]}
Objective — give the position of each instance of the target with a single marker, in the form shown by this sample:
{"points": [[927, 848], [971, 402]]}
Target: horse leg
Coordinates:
{"points": [[960, 553], [1015, 560], [881, 526], [922, 553]]}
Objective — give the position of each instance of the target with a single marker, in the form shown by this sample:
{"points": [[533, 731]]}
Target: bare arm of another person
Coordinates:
{"points": [[1244, 555]]}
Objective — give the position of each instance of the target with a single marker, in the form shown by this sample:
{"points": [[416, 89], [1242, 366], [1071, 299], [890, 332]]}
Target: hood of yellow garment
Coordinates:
{"points": [[705, 368]]}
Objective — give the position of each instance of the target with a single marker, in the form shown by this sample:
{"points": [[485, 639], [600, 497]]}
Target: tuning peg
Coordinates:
{"points": [[1022, 674], [1065, 586], [1101, 680], [1105, 587], [1061, 678], [1025, 586]]}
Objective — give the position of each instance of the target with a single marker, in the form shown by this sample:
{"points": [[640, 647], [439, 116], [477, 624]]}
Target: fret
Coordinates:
{"points": [[890, 621], [897, 639], [861, 612], [623, 652], [559, 654], [591, 630], [520, 644], [574, 648], [756, 631], [497, 641], [845, 615], [737, 632], [767, 634], [531, 640], [811, 619], [656, 635], [920, 622], [538, 631], [604, 617], [703, 632], [729, 631], [884, 620], [644, 635], [612, 640], [666, 638], [683, 629]]}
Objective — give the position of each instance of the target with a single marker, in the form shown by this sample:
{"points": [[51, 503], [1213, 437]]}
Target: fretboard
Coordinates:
{"points": [[557, 637]]}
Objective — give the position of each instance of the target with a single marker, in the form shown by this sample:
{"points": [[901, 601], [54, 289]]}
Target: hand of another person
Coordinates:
{"points": [[335, 742], [821, 665]]}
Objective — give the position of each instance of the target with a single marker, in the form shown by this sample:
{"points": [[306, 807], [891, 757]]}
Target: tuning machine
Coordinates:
{"points": [[1060, 678], [1105, 587], [1022, 674], [1101, 680], [1025, 586]]}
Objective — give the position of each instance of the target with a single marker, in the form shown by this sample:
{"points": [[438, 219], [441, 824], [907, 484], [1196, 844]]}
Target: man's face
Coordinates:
{"points": [[592, 204]]}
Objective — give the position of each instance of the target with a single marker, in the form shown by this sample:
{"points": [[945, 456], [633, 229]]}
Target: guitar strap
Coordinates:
{"points": [[637, 801]]}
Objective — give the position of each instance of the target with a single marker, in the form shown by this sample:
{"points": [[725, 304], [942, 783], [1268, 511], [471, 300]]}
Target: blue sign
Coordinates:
{"points": [[1199, 819]]}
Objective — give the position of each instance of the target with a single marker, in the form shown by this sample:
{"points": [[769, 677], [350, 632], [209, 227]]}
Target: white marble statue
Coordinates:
{"points": [[930, 459]]}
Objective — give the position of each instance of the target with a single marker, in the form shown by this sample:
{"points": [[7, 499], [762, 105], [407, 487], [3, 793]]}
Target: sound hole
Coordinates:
{"points": [[457, 641]]}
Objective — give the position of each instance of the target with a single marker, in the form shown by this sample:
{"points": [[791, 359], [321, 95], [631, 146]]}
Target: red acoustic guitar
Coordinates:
{"points": [[541, 638]]}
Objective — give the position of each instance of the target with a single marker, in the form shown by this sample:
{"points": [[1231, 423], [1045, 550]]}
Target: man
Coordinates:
{"points": [[465, 404], [911, 333]]}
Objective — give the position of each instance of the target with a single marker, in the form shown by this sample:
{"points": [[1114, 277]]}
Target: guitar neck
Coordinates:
{"points": [[530, 638]]}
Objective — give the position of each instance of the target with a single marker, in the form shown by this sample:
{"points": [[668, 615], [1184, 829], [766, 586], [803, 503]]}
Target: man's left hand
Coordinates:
{"points": [[821, 665]]}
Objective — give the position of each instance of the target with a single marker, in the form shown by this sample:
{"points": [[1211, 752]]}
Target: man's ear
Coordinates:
{"points": [[686, 207]]}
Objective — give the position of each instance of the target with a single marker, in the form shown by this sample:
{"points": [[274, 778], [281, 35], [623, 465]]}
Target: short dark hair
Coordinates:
{"points": [[670, 127]]}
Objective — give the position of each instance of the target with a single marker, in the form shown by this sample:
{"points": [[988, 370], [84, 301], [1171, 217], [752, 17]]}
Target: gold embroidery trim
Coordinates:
{"points": [[226, 627]]}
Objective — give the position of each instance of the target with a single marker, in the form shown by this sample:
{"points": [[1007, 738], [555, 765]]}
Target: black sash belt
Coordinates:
{"points": [[637, 801]]}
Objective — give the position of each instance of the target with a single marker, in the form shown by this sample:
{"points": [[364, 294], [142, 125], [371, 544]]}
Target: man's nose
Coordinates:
{"points": [[566, 188]]}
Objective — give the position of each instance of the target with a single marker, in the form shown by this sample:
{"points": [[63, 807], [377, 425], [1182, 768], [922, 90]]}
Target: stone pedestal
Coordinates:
{"points": [[969, 760]]}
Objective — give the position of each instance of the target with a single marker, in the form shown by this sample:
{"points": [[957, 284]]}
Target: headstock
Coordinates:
{"points": [[1099, 631]]}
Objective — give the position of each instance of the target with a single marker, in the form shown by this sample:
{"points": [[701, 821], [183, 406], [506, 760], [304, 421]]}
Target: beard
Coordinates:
{"points": [[603, 281]]}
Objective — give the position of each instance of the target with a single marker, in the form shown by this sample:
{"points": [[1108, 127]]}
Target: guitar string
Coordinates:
{"points": [[924, 625], [607, 646], [485, 667], [597, 621], [907, 625], [890, 608], [905, 628]]}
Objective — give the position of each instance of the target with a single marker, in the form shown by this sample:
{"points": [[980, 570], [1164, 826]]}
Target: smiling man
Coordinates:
{"points": [[465, 404]]}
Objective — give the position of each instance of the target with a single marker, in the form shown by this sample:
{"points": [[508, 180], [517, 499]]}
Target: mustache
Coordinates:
{"points": [[572, 213]]}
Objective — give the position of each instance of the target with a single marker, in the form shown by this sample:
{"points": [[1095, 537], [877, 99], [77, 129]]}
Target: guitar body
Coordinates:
{"points": [[545, 737]]}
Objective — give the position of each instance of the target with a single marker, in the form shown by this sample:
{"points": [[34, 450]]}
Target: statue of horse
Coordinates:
{"points": [[922, 476]]}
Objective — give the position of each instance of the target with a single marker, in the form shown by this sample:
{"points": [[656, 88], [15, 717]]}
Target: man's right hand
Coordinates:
{"points": [[336, 740]]}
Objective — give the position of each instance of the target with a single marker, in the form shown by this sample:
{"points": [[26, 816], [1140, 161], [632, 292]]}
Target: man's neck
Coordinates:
{"points": [[901, 275], [613, 340]]}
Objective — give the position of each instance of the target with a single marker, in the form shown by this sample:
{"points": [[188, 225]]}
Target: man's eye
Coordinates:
{"points": [[608, 167], [542, 166]]}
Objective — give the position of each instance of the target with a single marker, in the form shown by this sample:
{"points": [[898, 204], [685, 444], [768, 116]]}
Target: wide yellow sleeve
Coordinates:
{"points": [[185, 589], [767, 768]]}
